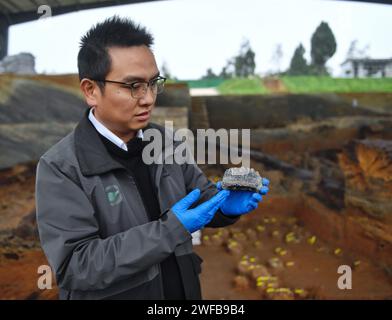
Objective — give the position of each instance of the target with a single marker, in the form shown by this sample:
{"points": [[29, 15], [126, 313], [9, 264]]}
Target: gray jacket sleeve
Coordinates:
{"points": [[195, 178], [70, 239]]}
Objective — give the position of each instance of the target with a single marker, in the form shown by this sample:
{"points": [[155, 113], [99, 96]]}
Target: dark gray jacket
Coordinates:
{"points": [[94, 228]]}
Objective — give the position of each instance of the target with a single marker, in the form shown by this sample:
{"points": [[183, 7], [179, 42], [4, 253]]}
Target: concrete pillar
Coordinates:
{"points": [[3, 37]]}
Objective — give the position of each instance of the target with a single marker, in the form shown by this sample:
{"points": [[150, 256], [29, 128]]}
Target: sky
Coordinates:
{"points": [[194, 35]]}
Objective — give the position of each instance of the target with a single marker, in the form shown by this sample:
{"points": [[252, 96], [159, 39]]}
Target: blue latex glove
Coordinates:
{"points": [[242, 202], [196, 218]]}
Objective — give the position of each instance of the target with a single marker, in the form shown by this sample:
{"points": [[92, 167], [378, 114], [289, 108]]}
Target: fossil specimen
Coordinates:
{"points": [[242, 179]]}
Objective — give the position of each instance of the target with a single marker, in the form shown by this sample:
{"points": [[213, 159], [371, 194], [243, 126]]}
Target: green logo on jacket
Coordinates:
{"points": [[113, 194]]}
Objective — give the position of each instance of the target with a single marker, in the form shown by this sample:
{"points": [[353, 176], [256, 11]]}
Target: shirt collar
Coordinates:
{"points": [[109, 134]]}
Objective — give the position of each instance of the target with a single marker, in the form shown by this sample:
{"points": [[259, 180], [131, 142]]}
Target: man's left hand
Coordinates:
{"points": [[241, 202]]}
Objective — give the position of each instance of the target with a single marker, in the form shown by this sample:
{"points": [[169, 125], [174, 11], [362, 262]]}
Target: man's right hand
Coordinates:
{"points": [[196, 218]]}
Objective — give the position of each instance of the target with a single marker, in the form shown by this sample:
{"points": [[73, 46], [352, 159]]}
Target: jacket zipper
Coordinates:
{"points": [[130, 175]]}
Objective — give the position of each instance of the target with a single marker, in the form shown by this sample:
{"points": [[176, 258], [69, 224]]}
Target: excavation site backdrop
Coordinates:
{"points": [[311, 79]]}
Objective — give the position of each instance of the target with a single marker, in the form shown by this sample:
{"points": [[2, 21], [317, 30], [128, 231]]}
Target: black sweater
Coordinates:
{"points": [[132, 161]]}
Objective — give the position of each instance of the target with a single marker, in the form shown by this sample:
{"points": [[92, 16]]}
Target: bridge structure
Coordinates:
{"points": [[19, 11]]}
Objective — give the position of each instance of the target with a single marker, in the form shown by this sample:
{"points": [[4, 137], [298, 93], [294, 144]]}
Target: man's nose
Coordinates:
{"points": [[148, 98]]}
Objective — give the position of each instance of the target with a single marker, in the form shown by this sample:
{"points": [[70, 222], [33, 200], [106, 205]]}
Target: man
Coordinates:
{"points": [[111, 226]]}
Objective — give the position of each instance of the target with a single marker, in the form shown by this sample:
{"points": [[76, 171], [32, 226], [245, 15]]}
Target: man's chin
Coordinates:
{"points": [[143, 124], [139, 125]]}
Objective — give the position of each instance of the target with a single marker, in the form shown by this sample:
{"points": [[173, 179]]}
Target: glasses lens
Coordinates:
{"points": [[139, 89], [159, 84]]}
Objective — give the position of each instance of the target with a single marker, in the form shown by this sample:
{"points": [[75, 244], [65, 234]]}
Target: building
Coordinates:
{"points": [[366, 67], [22, 63]]}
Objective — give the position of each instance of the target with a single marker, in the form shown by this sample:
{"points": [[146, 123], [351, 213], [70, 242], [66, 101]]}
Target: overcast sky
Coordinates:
{"points": [[193, 35]]}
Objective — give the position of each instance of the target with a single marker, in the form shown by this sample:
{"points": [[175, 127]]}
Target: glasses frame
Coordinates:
{"points": [[129, 85]]}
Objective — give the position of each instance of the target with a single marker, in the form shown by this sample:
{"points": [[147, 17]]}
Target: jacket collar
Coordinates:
{"points": [[92, 155], [105, 132], [90, 151]]}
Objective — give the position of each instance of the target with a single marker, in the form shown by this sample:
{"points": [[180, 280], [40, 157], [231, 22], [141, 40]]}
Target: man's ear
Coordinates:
{"points": [[91, 91]]}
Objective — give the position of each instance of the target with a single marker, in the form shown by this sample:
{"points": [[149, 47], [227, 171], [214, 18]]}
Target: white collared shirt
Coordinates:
{"points": [[108, 134]]}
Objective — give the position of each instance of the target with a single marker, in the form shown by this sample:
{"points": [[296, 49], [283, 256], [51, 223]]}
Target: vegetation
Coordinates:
{"points": [[204, 83], [242, 86], [323, 47], [298, 64], [295, 84], [241, 66], [310, 84]]}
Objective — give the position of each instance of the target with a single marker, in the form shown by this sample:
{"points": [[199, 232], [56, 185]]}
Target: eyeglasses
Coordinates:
{"points": [[139, 88]]}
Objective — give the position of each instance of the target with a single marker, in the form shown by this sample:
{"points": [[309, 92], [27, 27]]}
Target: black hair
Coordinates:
{"points": [[93, 59]]}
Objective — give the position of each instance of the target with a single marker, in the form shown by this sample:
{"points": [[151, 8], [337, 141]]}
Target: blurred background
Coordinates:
{"points": [[312, 79]]}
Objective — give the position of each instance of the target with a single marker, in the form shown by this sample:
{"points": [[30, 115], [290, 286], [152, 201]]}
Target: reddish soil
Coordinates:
{"points": [[19, 275], [315, 265], [275, 85], [17, 199]]}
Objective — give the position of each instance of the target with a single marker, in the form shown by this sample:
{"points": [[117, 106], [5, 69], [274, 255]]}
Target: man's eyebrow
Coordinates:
{"points": [[132, 78]]}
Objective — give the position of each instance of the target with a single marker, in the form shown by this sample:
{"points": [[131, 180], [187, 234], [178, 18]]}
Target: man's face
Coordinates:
{"points": [[115, 106]]}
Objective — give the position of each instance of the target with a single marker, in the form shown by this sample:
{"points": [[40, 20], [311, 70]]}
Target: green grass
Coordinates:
{"points": [[294, 84], [239, 86], [308, 84], [206, 83]]}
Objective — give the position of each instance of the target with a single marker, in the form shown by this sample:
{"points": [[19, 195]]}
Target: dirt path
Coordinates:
{"points": [[274, 85]]}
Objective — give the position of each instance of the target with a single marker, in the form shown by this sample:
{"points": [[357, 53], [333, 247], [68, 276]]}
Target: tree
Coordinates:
{"points": [[298, 64], [352, 50], [228, 70], [225, 74], [244, 63], [210, 74], [277, 56], [356, 53], [323, 47], [165, 71]]}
